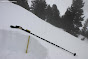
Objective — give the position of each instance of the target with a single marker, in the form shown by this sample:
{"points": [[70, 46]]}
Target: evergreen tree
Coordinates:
{"points": [[52, 15], [22, 3], [56, 16], [73, 17], [38, 8], [49, 14], [84, 31], [68, 21]]}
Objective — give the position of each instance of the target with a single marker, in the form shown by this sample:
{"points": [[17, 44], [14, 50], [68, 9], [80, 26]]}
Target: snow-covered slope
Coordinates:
{"points": [[13, 46], [11, 14]]}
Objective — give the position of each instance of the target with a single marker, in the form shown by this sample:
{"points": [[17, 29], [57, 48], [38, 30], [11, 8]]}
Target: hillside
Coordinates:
{"points": [[11, 14]]}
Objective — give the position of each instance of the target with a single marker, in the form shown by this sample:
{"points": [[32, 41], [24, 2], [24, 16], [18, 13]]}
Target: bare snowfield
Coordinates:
{"points": [[11, 14]]}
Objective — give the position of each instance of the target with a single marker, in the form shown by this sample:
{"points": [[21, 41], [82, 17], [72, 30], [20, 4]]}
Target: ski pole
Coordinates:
{"points": [[74, 54]]}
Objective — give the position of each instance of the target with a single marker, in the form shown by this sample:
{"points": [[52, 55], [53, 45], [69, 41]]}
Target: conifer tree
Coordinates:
{"points": [[53, 15], [84, 31], [73, 17], [56, 16], [39, 8], [49, 13]]}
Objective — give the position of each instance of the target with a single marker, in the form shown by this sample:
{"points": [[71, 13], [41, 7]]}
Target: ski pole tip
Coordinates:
{"points": [[74, 54]]}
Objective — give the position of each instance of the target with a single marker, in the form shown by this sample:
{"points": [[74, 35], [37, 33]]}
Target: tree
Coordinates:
{"points": [[56, 16], [22, 3], [84, 30], [68, 21], [38, 8], [53, 15], [49, 13], [73, 17]]}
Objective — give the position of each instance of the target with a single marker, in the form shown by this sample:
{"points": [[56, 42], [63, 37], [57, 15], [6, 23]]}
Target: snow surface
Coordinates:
{"points": [[11, 14], [13, 46]]}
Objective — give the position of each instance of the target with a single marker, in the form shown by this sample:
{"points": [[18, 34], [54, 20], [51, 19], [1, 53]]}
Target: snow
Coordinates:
{"points": [[11, 39], [13, 46], [30, 3]]}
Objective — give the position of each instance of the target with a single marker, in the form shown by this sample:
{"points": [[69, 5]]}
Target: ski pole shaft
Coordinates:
{"points": [[53, 44]]}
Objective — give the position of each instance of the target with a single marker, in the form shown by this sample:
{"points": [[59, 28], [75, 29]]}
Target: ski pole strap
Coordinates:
{"points": [[27, 30]]}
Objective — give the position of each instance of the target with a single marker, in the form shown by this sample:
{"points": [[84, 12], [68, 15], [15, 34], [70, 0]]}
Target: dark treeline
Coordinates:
{"points": [[70, 21]]}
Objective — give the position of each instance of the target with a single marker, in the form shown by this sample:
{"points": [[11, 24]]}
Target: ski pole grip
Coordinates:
{"points": [[15, 26], [12, 26]]}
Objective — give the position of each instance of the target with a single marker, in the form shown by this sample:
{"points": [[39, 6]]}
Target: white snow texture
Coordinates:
{"points": [[13, 42]]}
